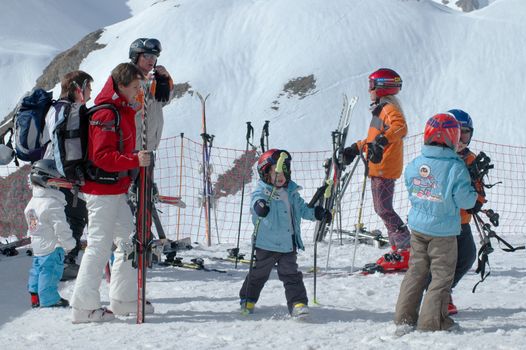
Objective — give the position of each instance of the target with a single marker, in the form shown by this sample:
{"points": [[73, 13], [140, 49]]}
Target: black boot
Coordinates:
{"points": [[61, 303], [71, 269]]}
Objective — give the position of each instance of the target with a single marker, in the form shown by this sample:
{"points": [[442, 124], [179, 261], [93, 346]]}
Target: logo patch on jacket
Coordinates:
{"points": [[32, 220], [425, 186], [268, 192]]}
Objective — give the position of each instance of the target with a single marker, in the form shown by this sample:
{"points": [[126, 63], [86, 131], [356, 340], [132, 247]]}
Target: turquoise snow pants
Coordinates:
{"points": [[44, 276]]}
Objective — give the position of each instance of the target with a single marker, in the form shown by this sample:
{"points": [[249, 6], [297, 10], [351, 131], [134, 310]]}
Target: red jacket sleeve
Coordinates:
{"points": [[104, 144]]}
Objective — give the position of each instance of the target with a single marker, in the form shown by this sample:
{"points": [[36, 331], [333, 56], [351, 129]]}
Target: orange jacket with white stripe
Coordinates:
{"points": [[387, 119], [469, 157]]}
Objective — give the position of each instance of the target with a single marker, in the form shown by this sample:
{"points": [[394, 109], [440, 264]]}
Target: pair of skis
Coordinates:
{"points": [[143, 221], [208, 191], [143, 218], [9, 248], [195, 264], [334, 168]]}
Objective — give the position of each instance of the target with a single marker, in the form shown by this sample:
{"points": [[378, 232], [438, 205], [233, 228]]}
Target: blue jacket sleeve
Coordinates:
{"points": [[304, 211], [464, 194]]}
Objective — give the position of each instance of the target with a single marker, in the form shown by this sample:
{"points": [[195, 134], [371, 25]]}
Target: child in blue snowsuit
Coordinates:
{"points": [[434, 220], [279, 236], [50, 234]]}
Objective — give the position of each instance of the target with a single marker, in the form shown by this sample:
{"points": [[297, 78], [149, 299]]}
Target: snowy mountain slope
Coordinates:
{"points": [[34, 31], [245, 52], [465, 5]]}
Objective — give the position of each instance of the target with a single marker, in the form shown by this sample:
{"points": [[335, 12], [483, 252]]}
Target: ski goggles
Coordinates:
{"points": [[149, 56], [153, 45], [385, 83]]}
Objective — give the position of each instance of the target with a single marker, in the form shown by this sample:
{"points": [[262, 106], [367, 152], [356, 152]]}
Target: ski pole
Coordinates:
{"points": [[346, 180], [180, 183], [359, 225], [206, 159], [279, 169], [484, 251], [321, 191], [264, 136], [321, 228], [211, 193], [249, 135]]}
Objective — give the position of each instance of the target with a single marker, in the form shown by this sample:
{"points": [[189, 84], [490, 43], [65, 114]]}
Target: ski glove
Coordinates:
{"points": [[321, 213], [261, 208], [381, 140], [375, 152], [476, 208], [162, 88], [350, 153]]}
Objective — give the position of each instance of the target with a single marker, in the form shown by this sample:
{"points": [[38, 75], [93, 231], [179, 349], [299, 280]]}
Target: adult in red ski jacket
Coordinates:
{"points": [[111, 158]]}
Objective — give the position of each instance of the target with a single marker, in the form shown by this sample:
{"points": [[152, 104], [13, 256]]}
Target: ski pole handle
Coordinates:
{"points": [[280, 162], [250, 131], [319, 192], [328, 190]]}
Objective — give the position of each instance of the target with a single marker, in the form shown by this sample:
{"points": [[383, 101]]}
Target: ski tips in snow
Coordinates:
{"points": [[59, 183], [177, 201], [9, 248]]}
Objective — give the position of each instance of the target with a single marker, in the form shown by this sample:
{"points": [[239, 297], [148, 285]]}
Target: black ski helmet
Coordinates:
{"points": [[43, 170], [144, 45]]}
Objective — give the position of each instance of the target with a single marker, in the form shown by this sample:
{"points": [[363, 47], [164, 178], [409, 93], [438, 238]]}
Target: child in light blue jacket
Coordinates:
{"points": [[438, 185], [277, 210]]}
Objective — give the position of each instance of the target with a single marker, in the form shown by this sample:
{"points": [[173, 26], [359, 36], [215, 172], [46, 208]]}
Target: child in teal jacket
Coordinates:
{"points": [[279, 208], [439, 185]]}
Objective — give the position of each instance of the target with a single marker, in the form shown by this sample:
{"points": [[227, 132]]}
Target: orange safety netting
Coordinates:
{"points": [[178, 172]]}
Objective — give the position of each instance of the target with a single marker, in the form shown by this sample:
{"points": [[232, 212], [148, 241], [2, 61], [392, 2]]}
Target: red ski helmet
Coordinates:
{"points": [[269, 158], [385, 81], [442, 129]]}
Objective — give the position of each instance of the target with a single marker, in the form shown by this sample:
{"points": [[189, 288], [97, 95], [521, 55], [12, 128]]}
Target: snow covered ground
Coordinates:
{"points": [[199, 310], [244, 52]]}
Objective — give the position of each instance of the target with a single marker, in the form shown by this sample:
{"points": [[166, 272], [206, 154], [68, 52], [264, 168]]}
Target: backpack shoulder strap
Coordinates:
{"points": [[115, 122]]}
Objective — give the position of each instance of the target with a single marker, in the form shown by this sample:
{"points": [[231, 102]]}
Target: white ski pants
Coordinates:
{"points": [[110, 221]]}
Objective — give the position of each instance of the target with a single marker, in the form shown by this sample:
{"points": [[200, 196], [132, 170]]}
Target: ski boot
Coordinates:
{"points": [[71, 269], [246, 307], [299, 310], [85, 316], [35, 301], [396, 260], [61, 303], [126, 308], [403, 329], [451, 308]]}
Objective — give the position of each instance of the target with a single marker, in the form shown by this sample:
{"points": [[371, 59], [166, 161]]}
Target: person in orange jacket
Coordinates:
{"points": [[383, 147], [467, 251]]}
